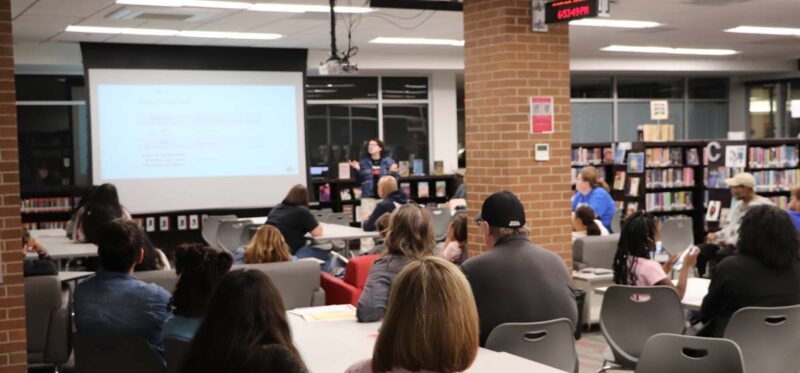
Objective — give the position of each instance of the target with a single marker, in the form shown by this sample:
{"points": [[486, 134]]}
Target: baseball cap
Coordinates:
{"points": [[744, 179], [503, 210]]}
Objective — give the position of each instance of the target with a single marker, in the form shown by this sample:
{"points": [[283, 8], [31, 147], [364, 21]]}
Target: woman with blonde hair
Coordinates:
{"points": [[410, 237], [266, 246], [593, 192], [431, 323]]}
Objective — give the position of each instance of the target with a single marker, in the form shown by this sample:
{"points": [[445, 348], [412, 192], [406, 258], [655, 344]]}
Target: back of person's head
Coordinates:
{"points": [[411, 232], [200, 268], [589, 174], [120, 243], [767, 233], [151, 260], [636, 240], [105, 194], [245, 312], [431, 320], [102, 207], [587, 217], [267, 246], [297, 196], [458, 228], [383, 223], [388, 184]]}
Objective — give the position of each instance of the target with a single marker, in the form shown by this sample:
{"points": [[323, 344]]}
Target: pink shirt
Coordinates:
{"points": [[648, 272], [365, 366], [452, 251]]}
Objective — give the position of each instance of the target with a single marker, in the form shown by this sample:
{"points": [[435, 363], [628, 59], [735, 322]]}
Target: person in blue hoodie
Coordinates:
{"points": [[392, 198], [593, 192], [373, 167], [794, 207]]}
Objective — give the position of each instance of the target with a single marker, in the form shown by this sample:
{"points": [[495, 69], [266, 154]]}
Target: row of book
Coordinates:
{"points": [[53, 204], [667, 157], [591, 156], [776, 180], [655, 132], [601, 174], [778, 156], [715, 176], [670, 178], [45, 225], [349, 194], [670, 201]]}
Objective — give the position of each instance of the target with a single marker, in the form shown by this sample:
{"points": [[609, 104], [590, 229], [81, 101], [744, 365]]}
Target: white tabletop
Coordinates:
{"points": [[64, 276], [354, 341], [593, 274], [696, 290], [61, 247], [329, 231]]}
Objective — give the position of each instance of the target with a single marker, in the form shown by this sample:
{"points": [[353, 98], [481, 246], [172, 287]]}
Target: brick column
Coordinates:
{"points": [[505, 63], [13, 356]]}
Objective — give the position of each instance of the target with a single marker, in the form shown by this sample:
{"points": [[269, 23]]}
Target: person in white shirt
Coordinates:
{"points": [[585, 223]]}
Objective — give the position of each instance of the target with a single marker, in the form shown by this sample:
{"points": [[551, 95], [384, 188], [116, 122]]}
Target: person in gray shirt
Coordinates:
{"points": [[516, 281]]}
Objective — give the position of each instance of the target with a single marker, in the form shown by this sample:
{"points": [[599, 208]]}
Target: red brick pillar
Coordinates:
{"points": [[13, 356], [505, 64]]}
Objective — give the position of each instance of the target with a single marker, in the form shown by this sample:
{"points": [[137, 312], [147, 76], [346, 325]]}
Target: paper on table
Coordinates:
{"points": [[326, 313]]}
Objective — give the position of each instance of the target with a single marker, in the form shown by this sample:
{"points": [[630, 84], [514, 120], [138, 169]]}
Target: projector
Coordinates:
{"points": [[336, 67]]}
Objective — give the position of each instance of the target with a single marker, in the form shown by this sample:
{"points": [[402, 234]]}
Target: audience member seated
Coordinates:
{"points": [[382, 225], [764, 272], [293, 218], [200, 269], [154, 259], [794, 207], [114, 303], [41, 266], [456, 241], [103, 207], [266, 246], [585, 223], [431, 323], [392, 198], [516, 281], [633, 263], [245, 316], [593, 192], [723, 243], [410, 237]]}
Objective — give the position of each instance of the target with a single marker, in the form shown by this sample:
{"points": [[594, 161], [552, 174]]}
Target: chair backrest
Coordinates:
{"points": [[677, 234], [768, 336], [616, 221], [358, 269], [441, 222], [175, 351], [630, 315], [321, 214], [47, 322], [338, 218], [248, 231], [115, 354], [229, 233], [167, 279], [665, 353], [548, 342], [298, 282], [210, 225], [594, 251]]}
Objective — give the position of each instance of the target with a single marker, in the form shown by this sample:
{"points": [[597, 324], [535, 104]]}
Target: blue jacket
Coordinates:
{"points": [[600, 201], [385, 206], [365, 174], [795, 216]]}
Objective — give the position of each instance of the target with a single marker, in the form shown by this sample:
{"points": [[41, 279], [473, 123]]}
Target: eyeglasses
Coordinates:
{"points": [[373, 145]]}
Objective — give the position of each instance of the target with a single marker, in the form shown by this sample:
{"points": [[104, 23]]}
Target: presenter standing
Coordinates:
{"points": [[373, 167]]}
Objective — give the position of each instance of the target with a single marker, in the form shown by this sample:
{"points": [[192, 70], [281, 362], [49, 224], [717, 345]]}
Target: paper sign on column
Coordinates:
{"points": [[542, 118]]}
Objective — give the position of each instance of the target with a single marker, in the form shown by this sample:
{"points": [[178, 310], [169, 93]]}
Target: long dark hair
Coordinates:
{"points": [[767, 233], [151, 261], [200, 269], [587, 217], [636, 240], [297, 196], [103, 207], [245, 313]]}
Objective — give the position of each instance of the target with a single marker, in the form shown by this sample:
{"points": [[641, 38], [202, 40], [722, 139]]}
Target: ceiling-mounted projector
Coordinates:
{"points": [[337, 67], [338, 63]]}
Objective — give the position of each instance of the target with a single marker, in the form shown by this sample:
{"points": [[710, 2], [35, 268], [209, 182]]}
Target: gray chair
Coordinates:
{"points": [[321, 214], [677, 234], [338, 218], [248, 231], [441, 222], [549, 342], [175, 351], [298, 282], [594, 251], [616, 221], [229, 234], [768, 336], [167, 279], [667, 353], [210, 225], [630, 315], [48, 321], [115, 354]]}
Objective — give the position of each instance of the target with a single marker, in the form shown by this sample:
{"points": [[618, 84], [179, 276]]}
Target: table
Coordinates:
{"points": [[588, 281], [59, 247], [696, 290], [330, 232], [332, 346], [66, 276]]}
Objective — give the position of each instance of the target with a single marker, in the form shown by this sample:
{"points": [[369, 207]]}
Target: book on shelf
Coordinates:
{"points": [[423, 189], [324, 193], [587, 156], [608, 155], [723, 215], [713, 211], [656, 132], [345, 195], [403, 168], [663, 157], [441, 189], [776, 180], [780, 201], [669, 201], [438, 167], [715, 176], [669, 177], [344, 170], [48, 205], [735, 156], [45, 225], [619, 204], [406, 188], [418, 167], [692, 158], [631, 207], [634, 187], [619, 155], [777, 156], [357, 193], [619, 180], [636, 163]]}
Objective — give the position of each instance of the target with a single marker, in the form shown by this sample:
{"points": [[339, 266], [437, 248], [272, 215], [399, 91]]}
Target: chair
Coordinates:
{"points": [[248, 231], [441, 222], [298, 282], [338, 218], [167, 279], [616, 221], [321, 214], [175, 350], [348, 290], [768, 336], [210, 225], [677, 234], [229, 234], [666, 353], [548, 342], [48, 321], [628, 318], [115, 354], [594, 251]]}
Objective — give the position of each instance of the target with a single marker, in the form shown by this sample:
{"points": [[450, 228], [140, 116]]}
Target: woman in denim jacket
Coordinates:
{"points": [[372, 168]]}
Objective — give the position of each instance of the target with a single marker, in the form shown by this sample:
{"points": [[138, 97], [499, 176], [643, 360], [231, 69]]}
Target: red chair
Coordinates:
{"points": [[338, 291]]}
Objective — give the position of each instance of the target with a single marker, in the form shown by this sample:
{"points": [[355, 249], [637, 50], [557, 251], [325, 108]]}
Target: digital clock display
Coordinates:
{"points": [[567, 10]]}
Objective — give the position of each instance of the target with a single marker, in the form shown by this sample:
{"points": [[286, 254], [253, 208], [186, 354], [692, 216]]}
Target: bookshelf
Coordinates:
{"points": [[346, 192], [599, 155], [49, 209]]}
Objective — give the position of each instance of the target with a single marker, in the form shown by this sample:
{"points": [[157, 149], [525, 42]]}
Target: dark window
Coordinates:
{"points": [[338, 133], [590, 87], [708, 88], [49, 88], [404, 88], [341, 88], [405, 132], [650, 88]]}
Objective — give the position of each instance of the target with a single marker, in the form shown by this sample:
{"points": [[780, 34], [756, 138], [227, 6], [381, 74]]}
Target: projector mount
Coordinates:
{"points": [[339, 63]]}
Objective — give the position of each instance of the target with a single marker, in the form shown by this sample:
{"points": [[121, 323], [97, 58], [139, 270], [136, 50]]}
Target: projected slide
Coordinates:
{"points": [[185, 130]]}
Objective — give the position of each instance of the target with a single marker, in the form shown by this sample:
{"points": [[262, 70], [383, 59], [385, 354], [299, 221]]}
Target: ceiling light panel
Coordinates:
{"points": [[238, 5], [760, 30], [166, 32], [669, 50], [617, 23]]}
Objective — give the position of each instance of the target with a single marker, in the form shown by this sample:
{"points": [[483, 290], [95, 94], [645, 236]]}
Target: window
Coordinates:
{"points": [[462, 119], [709, 120], [333, 88], [404, 88], [762, 109], [633, 114], [591, 87], [709, 88], [405, 131], [654, 88], [592, 122], [337, 133]]}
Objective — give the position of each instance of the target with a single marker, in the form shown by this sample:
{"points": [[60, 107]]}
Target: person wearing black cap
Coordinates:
{"points": [[516, 281]]}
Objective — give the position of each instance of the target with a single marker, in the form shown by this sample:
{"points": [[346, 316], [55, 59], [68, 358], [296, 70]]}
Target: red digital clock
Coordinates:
{"points": [[567, 10]]}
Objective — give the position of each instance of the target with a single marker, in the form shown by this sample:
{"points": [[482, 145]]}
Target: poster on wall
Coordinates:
{"points": [[541, 117], [659, 110]]}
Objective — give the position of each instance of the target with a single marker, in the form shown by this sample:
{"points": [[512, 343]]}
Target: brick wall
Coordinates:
{"points": [[12, 304], [505, 64]]}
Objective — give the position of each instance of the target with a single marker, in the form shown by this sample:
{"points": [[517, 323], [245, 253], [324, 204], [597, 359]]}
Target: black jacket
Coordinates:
{"points": [[385, 206]]}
